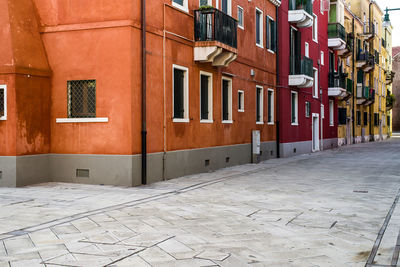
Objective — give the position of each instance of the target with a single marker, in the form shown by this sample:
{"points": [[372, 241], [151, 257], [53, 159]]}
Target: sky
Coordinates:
{"points": [[394, 18]]}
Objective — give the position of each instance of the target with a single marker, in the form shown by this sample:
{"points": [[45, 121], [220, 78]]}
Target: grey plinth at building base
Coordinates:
{"points": [[330, 143], [295, 148], [124, 170]]}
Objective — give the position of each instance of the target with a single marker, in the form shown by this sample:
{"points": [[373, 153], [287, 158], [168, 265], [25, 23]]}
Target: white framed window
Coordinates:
{"points": [[240, 101], [322, 58], [315, 84], [294, 108], [206, 93], [270, 99], [226, 100], [226, 6], [331, 114], [3, 102], [308, 109], [306, 49], [259, 105], [240, 17], [271, 35], [181, 4], [259, 28], [180, 91], [205, 2], [315, 28]]}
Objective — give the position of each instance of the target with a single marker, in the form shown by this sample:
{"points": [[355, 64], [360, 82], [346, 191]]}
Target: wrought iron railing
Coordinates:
{"points": [[349, 85], [336, 30], [361, 55], [306, 5], [369, 28], [213, 25], [337, 79], [299, 65]]}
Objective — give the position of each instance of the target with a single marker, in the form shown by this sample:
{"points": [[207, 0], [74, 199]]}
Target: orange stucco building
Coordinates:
{"points": [[73, 73]]}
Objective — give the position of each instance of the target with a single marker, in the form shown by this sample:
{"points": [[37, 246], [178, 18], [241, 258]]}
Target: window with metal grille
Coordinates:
{"points": [[365, 118], [342, 116], [82, 99], [376, 119], [3, 102], [259, 104], [358, 117], [205, 96]]}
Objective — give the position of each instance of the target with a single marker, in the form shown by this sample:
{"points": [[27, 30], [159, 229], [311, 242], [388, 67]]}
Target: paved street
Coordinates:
{"points": [[325, 209]]}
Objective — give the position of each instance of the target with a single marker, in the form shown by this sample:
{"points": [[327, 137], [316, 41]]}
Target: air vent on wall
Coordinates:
{"points": [[1, 174], [82, 173]]}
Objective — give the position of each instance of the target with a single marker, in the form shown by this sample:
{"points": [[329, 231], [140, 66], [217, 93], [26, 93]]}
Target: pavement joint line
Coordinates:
{"points": [[395, 258], [378, 240], [74, 217]]}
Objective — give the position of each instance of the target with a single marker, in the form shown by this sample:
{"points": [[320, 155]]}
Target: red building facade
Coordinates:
{"points": [[307, 115]]}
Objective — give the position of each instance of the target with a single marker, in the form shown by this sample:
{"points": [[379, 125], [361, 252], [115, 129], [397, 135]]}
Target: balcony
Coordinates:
{"points": [[371, 97], [300, 12], [362, 94], [215, 37], [368, 32], [370, 66], [348, 50], [389, 77], [337, 84], [361, 59], [301, 72], [336, 36]]}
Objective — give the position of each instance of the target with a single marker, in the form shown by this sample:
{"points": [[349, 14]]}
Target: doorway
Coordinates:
{"points": [[315, 132]]}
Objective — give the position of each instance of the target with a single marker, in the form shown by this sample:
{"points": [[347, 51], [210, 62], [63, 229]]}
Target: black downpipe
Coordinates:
{"points": [[371, 77], [144, 129], [278, 152], [354, 87]]}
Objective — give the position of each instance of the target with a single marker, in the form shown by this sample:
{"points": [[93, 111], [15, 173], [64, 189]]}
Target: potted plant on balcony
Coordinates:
{"points": [[206, 7], [390, 99]]}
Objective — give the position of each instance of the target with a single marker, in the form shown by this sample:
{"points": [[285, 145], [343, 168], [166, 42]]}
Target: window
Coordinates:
{"points": [[270, 106], [321, 7], [294, 107], [226, 6], [342, 116], [181, 4], [259, 28], [240, 101], [259, 104], [226, 100], [271, 34], [82, 99], [205, 3], [388, 121], [206, 97], [240, 17], [308, 109], [331, 114], [376, 119], [3, 102], [315, 84], [181, 96], [358, 117], [365, 118], [306, 49], [315, 28], [322, 58]]}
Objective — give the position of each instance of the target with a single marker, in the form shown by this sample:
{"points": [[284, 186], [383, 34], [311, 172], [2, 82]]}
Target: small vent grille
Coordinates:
{"points": [[82, 173], [1, 175], [227, 159], [207, 162]]}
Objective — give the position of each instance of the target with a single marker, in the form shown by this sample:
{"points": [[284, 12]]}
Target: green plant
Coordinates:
{"points": [[205, 7], [390, 99]]}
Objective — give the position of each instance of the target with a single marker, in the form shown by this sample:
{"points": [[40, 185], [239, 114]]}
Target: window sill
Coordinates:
{"points": [[180, 120], [260, 46], [206, 121], [271, 51], [315, 97], [259, 122], [178, 6], [4, 118], [227, 122], [80, 120], [271, 123], [241, 27], [331, 125], [315, 41], [295, 124], [240, 110]]}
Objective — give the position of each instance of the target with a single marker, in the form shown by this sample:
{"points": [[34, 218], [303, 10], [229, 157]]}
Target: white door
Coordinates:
{"points": [[315, 132]]}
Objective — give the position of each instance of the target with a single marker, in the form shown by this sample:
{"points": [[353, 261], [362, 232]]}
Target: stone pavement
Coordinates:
{"points": [[332, 208]]}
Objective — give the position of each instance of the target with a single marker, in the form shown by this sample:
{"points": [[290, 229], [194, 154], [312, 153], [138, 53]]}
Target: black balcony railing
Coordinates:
{"points": [[336, 30], [300, 65], [361, 55], [337, 79], [213, 25], [371, 60], [306, 5], [349, 86], [366, 92], [369, 28], [376, 57]]}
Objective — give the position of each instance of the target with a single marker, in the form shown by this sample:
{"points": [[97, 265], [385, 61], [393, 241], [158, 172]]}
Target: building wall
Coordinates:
{"points": [[396, 92]]}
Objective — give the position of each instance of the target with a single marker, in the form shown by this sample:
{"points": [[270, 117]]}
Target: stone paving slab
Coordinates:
{"points": [[322, 209]]}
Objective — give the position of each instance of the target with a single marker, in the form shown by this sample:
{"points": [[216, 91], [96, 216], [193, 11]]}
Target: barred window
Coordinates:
{"points": [[82, 99], [3, 102]]}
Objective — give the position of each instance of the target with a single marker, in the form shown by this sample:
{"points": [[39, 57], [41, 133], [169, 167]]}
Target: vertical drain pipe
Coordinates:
{"points": [[355, 77], [278, 153], [144, 129]]}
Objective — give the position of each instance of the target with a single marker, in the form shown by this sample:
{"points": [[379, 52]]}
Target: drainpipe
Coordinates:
{"points": [[371, 77], [278, 152], [144, 130], [354, 87]]}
